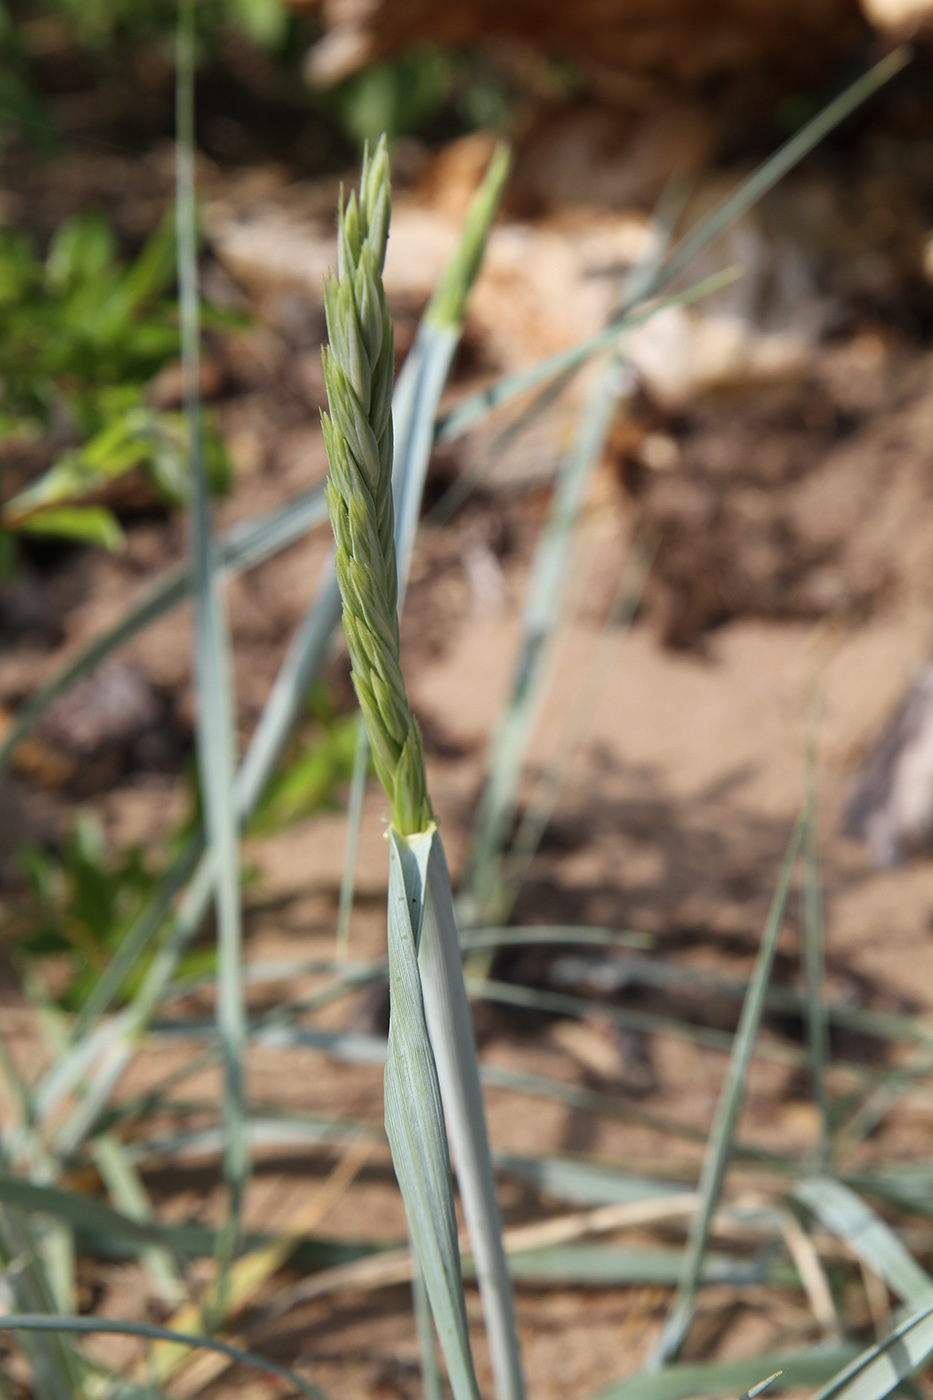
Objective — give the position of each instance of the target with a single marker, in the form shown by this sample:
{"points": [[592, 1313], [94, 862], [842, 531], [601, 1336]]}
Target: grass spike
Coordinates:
{"points": [[431, 1066], [358, 369]]}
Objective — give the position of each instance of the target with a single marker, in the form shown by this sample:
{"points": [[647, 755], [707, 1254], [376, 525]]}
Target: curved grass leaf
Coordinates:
{"points": [[477, 406], [602, 1266], [720, 1145], [215, 720], [415, 1118], [729, 1377], [91, 1326], [749, 192], [876, 1372], [848, 1217]]}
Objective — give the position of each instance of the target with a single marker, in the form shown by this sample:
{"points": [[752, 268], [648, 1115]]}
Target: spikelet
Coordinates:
{"points": [[358, 370]]}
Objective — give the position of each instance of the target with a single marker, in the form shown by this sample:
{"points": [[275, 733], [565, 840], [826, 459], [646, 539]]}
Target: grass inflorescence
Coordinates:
{"points": [[359, 370]]}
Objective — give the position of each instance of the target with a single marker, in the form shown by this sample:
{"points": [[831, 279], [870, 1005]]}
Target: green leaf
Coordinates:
{"points": [[450, 1027], [601, 1266], [81, 255], [216, 697], [853, 1220], [414, 1116], [265, 21], [309, 782], [720, 1145], [729, 1377], [86, 524], [91, 1326], [876, 1372]]}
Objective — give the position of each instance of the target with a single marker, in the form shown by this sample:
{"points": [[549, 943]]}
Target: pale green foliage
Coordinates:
{"points": [[358, 368], [448, 303]]}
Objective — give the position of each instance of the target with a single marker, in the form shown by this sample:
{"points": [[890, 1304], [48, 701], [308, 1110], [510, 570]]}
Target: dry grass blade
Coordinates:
{"points": [[809, 1266], [246, 1276], [394, 1266]]}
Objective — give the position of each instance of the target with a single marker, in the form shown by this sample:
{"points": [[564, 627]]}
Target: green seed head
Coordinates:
{"points": [[359, 372]]}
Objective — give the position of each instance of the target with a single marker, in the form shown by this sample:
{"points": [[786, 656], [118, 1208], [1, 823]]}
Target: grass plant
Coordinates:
{"points": [[431, 1058], [379, 436]]}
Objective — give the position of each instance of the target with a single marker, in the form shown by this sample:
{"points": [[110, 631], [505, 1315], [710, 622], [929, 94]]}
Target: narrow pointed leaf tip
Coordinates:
{"points": [[359, 372], [447, 305]]}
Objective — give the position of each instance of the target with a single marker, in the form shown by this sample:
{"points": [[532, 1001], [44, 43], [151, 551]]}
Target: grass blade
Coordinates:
{"points": [[773, 170], [475, 407], [545, 598], [720, 1145], [876, 1372], [629, 1018], [90, 1326], [846, 1215], [749, 192], [814, 958], [415, 1119], [243, 547], [602, 1266], [728, 1377], [431, 1384], [543, 801], [82, 1213], [451, 1030], [130, 1197], [57, 1367], [216, 725], [483, 891], [586, 1183]]}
